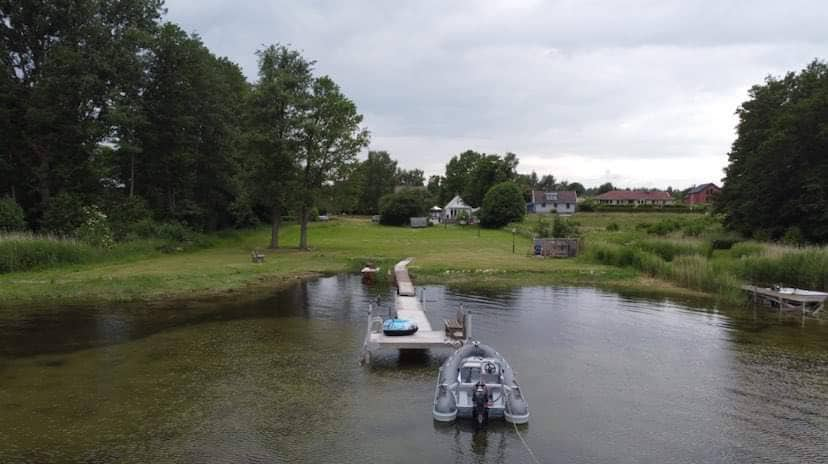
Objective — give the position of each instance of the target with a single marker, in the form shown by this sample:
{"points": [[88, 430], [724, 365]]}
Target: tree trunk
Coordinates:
{"points": [[131, 174], [275, 222], [303, 228]]}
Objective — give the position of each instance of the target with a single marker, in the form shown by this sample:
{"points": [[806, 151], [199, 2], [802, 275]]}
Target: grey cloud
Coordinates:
{"points": [[598, 85]]}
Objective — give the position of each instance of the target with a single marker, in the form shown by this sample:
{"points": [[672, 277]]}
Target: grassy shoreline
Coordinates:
{"points": [[460, 257]]}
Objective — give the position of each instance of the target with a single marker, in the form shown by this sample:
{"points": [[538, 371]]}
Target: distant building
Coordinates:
{"points": [[700, 194], [635, 198], [455, 209], [553, 202]]}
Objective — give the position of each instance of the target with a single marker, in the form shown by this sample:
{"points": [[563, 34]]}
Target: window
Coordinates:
{"points": [[567, 206]]}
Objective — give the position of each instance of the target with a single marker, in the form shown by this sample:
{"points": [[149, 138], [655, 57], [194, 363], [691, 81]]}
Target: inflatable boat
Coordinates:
{"points": [[398, 327], [477, 383]]}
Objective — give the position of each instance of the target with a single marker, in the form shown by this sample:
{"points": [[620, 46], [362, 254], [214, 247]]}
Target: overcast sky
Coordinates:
{"points": [[639, 93]]}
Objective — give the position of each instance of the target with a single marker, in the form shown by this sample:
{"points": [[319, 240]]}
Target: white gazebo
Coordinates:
{"points": [[455, 209], [436, 213]]}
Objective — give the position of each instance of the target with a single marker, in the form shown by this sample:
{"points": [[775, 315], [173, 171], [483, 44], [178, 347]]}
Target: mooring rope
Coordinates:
{"points": [[526, 445]]}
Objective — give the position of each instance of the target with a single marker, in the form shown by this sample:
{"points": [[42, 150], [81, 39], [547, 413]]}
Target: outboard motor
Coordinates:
{"points": [[480, 398]]}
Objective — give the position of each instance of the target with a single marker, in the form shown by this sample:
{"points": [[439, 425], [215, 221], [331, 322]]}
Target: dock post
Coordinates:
{"points": [[467, 325]]}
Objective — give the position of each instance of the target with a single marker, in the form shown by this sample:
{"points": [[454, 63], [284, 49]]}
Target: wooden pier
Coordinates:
{"points": [[407, 305], [807, 302]]}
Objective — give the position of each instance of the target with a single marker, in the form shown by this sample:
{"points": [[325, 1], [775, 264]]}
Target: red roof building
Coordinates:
{"points": [[700, 194], [635, 198]]}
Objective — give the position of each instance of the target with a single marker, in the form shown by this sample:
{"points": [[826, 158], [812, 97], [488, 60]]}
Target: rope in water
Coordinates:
{"points": [[526, 445]]}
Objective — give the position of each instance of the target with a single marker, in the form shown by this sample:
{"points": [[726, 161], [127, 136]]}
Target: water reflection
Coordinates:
{"points": [[609, 379]]}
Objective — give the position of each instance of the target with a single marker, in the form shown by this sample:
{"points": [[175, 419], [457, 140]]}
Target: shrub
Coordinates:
{"points": [[542, 229], [670, 249], [12, 217], [562, 228], [95, 228], [64, 214], [124, 213], [793, 236], [613, 227], [397, 208], [502, 204], [586, 206], [724, 241]]}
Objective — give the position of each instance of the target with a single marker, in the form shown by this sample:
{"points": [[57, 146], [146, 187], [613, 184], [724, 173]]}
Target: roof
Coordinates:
{"points": [[457, 202], [567, 196], [634, 195], [703, 187]]}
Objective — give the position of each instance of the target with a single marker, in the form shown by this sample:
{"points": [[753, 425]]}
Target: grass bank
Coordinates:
{"points": [[457, 256]]}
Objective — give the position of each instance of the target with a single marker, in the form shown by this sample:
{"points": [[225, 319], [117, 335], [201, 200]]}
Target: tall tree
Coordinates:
{"points": [[435, 188], [377, 177], [777, 177], [410, 178], [458, 174], [64, 64], [277, 107], [547, 183], [488, 171], [330, 139]]}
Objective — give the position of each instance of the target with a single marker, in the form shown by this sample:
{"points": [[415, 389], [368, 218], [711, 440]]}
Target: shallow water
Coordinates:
{"points": [[609, 379]]}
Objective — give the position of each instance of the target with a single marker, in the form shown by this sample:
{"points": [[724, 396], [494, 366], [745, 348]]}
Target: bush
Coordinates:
{"points": [[793, 236], [397, 208], [613, 227], [586, 206], [124, 213], [12, 217], [502, 204], [64, 214], [724, 241], [562, 228], [542, 229], [95, 228]]}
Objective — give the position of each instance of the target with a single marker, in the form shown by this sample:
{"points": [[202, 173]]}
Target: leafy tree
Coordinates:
{"points": [[503, 204], [270, 170], [397, 208], [488, 171], [435, 188], [64, 214], [410, 178], [577, 187], [64, 66], [188, 133], [377, 178], [547, 183], [11, 215], [777, 177], [604, 188], [458, 174], [330, 138]]}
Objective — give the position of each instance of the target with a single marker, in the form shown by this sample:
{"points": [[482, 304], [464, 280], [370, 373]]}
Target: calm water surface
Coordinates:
{"points": [[610, 379]]}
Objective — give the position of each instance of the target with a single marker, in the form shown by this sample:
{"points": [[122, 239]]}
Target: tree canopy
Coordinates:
{"points": [[502, 204], [777, 176]]}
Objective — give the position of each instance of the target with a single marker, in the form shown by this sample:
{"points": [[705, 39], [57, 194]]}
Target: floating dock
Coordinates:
{"points": [[408, 306], [808, 302]]}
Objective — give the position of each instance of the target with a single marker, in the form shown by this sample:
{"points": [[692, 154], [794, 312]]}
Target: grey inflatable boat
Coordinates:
{"points": [[477, 383]]}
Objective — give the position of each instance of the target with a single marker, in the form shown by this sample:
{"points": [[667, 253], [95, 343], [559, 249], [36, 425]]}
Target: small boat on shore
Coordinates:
{"points": [[399, 327], [477, 383]]}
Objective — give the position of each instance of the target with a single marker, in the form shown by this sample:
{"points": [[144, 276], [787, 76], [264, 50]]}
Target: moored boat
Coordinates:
{"points": [[477, 383], [399, 327]]}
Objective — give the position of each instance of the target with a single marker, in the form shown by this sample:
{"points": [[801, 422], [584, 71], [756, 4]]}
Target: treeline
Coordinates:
{"points": [[107, 111], [776, 184]]}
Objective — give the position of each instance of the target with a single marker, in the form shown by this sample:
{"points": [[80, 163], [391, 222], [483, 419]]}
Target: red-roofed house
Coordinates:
{"points": [[701, 193], [553, 202], [635, 198]]}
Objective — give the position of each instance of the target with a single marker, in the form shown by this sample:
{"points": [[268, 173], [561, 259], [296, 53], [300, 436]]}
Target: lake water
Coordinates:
{"points": [[609, 379]]}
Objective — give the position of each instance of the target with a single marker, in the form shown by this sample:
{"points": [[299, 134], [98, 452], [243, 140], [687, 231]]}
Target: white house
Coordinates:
{"points": [[455, 209], [553, 202]]}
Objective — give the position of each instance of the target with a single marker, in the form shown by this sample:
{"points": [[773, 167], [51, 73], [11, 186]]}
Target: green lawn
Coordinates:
{"points": [[459, 256]]}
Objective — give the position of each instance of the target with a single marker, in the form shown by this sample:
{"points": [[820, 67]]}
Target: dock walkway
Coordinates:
{"points": [[407, 306], [810, 303]]}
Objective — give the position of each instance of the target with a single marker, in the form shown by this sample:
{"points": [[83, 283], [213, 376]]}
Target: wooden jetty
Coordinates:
{"points": [[407, 305], [809, 303]]}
